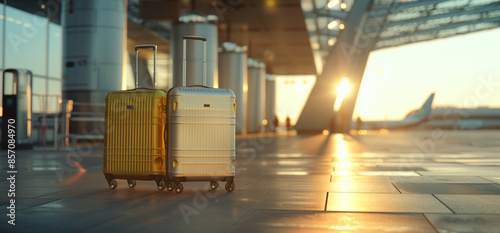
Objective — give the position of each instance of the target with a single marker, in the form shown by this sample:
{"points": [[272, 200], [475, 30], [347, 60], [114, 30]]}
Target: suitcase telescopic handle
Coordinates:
{"points": [[184, 58], [144, 46]]}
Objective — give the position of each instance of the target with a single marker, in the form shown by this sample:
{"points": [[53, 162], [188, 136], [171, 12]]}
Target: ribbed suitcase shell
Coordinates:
{"points": [[134, 145], [201, 134]]}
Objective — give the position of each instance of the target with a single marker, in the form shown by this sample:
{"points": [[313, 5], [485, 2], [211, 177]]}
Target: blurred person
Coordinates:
{"points": [[288, 123], [359, 123], [276, 123]]}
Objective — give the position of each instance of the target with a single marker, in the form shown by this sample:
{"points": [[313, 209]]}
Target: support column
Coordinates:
{"points": [[233, 71], [93, 47], [195, 25], [318, 111], [355, 77], [256, 98]]}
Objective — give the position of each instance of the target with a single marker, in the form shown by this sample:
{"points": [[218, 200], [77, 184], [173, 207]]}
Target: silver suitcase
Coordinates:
{"points": [[201, 132]]}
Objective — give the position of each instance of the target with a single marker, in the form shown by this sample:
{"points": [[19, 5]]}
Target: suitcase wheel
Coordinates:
{"points": [[113, 184], [214, 184], [179, 188], [131, 183], [230, 186], [161, 185], [170, 186]]}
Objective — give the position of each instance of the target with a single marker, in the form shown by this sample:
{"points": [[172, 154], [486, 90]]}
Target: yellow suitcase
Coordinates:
{"points": [[134, 134]]}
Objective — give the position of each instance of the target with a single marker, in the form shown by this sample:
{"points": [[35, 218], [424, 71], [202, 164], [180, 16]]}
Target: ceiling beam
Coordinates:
{"points": [[441, 28], [403, 6], [157, 28], [328, 32], [331, 13], [454, 12], [433, 38]]}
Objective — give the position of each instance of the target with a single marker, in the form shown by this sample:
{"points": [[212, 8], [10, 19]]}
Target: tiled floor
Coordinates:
{"points": [[396, 182]]}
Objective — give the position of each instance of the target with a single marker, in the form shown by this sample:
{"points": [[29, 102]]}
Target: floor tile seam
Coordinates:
{"points": [[126, 213], [382, 212], [486, 179], [43, 196], [396, 188], [86, 195], [475, 214], [339, 192], [430, 222], [326, 201], [246, 213], [26, 208], [443, 203], [103, 222], [105, 199], [339, 211], [249, 183]]}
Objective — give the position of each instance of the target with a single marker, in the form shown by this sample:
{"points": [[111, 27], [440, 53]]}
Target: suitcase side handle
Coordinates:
{"points": [[144, 46], [199, 86], [184, 38]]}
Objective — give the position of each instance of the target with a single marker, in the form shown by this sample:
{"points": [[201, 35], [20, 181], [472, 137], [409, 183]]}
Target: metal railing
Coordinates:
{"points": [[60, 125]]}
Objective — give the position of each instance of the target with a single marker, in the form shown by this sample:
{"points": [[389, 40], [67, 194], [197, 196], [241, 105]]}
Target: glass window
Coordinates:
{"points": [[53, 104], [53, 96], [39, 94], [24, 82], [38, 103], [39, 85], [54, 87], [10, 81], [25, 41], [55, 51]]}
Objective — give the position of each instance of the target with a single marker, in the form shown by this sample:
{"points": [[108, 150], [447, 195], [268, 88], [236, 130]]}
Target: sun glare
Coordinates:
{"points": [[384, 131], [299, 85], [342, 92], [332, 3], [332, 24], [362, 132]]}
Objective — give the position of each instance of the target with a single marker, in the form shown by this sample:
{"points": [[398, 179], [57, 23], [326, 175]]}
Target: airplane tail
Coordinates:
{"points": [[424, 112]]}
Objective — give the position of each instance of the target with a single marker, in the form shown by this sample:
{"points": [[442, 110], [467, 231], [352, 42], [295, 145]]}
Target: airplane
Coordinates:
{"points": [[454, 118], [412, 119]]}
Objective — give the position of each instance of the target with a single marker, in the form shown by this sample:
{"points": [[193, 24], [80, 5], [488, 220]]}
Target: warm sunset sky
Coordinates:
{"points": [[398, 80], [453, 67]]}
